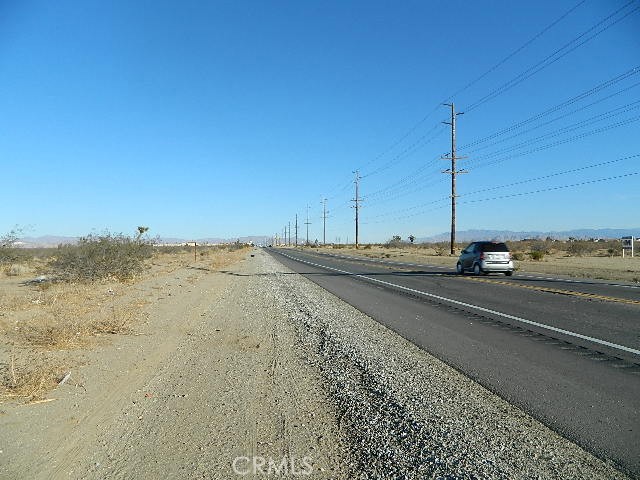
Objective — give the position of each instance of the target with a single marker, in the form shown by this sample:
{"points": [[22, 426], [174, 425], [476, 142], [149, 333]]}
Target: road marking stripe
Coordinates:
{"points": [[475, 307], [567, 280], [519, 285], [556, 290]]}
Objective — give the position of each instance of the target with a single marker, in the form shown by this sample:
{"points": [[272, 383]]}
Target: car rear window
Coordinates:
{"points": [[493, 247]]}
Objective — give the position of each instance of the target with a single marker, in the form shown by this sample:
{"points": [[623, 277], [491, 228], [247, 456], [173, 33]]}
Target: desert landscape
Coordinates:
{"points": [[194, 362]]}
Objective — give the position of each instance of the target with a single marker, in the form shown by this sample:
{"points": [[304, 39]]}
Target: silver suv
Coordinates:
{"points": [[485, 257]]}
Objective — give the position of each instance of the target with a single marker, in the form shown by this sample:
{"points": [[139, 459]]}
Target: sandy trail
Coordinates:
{"points": [[213, 376]]}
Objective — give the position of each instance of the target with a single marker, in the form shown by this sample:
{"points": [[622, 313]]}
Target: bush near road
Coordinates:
{"points": [[97, 257]]}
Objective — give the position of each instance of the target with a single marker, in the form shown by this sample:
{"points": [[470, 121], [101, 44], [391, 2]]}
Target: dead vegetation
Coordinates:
{"points": [[87, 293], [31, 378]]}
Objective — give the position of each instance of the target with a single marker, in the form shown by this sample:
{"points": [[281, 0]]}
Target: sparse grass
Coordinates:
{"points": [[29, 379]]}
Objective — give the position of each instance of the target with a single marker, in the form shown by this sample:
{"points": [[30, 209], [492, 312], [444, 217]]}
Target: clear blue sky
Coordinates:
{"points": [[227, 118]]}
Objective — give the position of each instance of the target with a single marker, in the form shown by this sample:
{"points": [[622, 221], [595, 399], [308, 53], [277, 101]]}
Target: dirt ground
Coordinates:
{"points": [[209, 355], [597, 267]]}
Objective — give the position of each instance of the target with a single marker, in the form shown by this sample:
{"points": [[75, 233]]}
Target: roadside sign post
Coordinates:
{"points": [[627, 244]]}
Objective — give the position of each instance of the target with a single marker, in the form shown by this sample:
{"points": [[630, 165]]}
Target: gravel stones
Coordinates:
{"points": [[407, 415]]}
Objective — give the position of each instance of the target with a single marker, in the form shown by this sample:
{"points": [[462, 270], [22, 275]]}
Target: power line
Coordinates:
{"points": [[517, 194], [587, 36], [473, 82], [400, 156], [559, 187], [569, 128], [423, 140], [416, 176], [493, 161], [513, 184], [549, 60], [518, 50], [559, 142], [560, 106], [551, 175]]}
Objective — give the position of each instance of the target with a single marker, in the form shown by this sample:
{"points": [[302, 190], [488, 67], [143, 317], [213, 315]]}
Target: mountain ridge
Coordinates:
{"points": [[580, 233]]}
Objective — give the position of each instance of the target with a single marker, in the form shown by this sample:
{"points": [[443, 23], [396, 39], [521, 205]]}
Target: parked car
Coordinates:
{"points": [[485, 257]]}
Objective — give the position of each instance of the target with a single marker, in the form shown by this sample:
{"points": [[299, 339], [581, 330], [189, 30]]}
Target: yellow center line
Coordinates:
{"points": [[595, 296], [557, 290]]}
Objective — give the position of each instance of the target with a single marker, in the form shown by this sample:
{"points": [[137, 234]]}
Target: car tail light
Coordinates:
{"points": [[482, 256]]}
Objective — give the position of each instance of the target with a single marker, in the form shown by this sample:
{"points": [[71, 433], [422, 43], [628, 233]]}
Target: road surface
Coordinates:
{"points": [[565, 351]]}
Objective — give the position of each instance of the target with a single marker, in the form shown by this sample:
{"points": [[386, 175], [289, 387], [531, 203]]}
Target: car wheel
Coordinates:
{"points": [[509, 273], [477, 270], [459, 269]]}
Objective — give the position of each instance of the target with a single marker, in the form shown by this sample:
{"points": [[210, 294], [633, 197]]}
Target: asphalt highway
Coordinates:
{"points": [[566, 351]]}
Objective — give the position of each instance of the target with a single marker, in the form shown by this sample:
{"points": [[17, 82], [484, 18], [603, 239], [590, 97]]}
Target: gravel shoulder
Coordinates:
{"points": [[258, 362]]}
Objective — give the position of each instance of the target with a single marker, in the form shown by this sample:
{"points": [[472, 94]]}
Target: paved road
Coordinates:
{"points": [[565, 351]]}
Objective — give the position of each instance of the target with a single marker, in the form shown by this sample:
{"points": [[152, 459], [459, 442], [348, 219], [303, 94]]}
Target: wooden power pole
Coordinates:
{"points": [[324, 221], [356, 201], [453, 172], [307, 223]]}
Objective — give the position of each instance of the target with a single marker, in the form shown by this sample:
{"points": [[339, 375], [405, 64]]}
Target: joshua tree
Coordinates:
{"points": [[141, 231]]}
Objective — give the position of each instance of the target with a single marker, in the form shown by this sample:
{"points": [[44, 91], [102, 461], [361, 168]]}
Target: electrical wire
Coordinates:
{"points": [[550, 60], [560, 106], [473, 82], [517, 194]]}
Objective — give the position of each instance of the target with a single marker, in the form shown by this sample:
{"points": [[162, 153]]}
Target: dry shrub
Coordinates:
{"points": [[97, 257], [29, 380]]}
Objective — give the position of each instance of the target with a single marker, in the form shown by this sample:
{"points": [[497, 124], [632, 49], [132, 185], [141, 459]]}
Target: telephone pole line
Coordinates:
{"points": [[452, 171], [324, 221], [357, 204], [307, 223], [296, 229]]}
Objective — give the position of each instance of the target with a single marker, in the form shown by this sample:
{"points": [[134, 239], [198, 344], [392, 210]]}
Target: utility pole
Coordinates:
{"points": [[296, 229], [324, 221], [289, 233], [307, 223], [357, 204], [453, 172]]}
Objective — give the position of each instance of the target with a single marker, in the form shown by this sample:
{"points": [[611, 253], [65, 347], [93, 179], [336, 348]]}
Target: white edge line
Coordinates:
{"points": [[476, 307]]}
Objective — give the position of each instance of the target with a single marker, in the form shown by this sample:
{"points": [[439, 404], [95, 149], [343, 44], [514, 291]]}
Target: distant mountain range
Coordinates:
{"points": [[48, 241], [461, 236], [584, 233]]}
